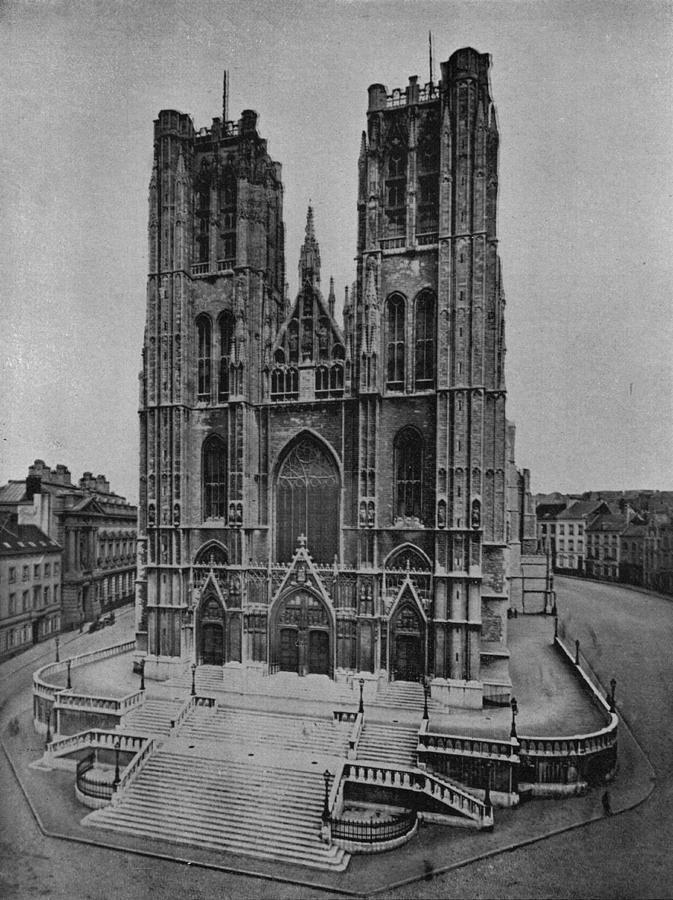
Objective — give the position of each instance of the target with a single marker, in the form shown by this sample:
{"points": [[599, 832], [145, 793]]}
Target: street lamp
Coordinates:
{"points": [[425, 698], [69, 663], [325, 808], [193, 679], [48, 738], [58, 641], [515, 711], [361, 707], [487, 792], [116, 780], [577, 652], [611, 698], [142, 674]]}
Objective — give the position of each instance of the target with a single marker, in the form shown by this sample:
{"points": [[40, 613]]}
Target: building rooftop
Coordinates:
{"points": [[583, 508], [608, 522], [24, 539]]}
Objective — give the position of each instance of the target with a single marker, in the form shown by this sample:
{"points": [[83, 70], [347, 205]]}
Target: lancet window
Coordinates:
{"points": [[395, 313], [214, 469], [307, 502], [408, 464], [226, 336], [424, 341], [204, 361]]}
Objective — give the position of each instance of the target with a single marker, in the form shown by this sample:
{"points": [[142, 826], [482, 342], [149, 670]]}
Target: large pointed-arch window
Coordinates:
{"points": [[307, 502], [395, 342], [396, 183], [408, 473], [424, 341], [226, 336], [214, 469], [203, 334]]}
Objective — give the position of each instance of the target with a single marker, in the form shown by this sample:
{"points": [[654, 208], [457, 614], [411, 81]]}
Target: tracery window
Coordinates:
{"points": [[203, 329], [395, 310], [408, 473], [214, 469], [424, 342], [396, 183], [307, 502], [226, 326]]}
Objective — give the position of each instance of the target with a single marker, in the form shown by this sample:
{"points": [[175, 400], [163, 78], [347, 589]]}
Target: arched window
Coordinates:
{"points": [[214, 469], [408, 473], [203, 329], [226, 324], [424, 343], [395, 340], [307, 502], [396, 183], [321, 381]]}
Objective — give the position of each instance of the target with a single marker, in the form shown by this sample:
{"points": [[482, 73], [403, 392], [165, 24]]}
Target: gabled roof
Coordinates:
{"points": [[608, 522], [582, 509], [549, 510], [24, 539], [12, 492]]}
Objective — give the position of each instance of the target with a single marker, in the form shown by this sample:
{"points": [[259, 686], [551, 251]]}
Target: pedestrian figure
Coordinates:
{"points": [[607, 809]]}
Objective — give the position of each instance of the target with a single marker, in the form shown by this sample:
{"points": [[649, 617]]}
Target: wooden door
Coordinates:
{"points": [[318, 652], [289, 651]]}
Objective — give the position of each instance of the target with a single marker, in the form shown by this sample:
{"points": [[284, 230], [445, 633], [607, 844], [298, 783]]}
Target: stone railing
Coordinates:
{"points": [[344, 715], [119, 705], [354, 739], [459, 802], [458, 745], [133, 769], [94, 737]]}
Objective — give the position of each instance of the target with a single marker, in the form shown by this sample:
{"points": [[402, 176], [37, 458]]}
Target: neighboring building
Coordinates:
{"points": [[30, 585], [603, 536], [658, 553], [571, 523], [632, 554], [545, 514], [313, 498], [95, 528]]}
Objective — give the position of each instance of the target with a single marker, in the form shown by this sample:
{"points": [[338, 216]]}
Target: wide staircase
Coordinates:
{"points": [[153, 717], [225, 805], [390, 744], [235, 727], [403, 695]]}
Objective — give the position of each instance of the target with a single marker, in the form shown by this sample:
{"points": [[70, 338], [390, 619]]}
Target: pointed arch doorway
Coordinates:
{"points": [[218, 637], [408, 640], [302, 635]]}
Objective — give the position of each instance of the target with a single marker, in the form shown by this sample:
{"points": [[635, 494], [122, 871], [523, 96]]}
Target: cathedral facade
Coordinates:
{"points": [[316, 496]]}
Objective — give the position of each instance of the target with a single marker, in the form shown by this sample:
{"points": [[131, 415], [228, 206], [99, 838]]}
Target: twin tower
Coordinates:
{"points": [[318, 496]]}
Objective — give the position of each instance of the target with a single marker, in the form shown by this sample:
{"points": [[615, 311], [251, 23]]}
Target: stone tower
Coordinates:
{"points": [[429, 345]]}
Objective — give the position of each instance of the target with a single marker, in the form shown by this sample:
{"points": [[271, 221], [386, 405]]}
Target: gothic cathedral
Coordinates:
{"points": [[322, 497]]}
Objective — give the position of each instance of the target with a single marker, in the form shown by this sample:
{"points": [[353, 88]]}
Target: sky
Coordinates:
{"points": [[584, 95]]}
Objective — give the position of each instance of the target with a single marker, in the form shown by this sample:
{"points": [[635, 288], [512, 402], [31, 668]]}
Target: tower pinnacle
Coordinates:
{"points": [[309, 257]]}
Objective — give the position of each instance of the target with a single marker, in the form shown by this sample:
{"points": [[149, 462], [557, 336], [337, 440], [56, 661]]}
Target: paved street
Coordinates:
{"points": [[623, 632]]}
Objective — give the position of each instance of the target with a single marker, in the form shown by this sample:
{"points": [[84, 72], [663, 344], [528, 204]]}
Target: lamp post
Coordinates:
{"points": [[142, 674], [48, 738], [361, 707], [325, 808], [193, 679], [425, 699], [515, 711], [487, 792], [613, 687], [116, 780], [577, 652], [69, 663], [58, 643]]}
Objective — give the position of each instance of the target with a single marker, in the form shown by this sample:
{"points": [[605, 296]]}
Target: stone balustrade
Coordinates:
{"points": [[133, 769], [460, 745]]}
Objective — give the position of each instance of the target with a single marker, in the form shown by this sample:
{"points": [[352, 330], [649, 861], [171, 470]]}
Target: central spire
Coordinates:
{"points": [[309, 257]]}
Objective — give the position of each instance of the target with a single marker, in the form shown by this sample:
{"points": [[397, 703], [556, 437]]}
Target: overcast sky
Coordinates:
{"points": [[584, 93]]}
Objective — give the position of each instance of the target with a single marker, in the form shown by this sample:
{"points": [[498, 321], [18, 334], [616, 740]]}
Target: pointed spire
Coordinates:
{"points": [[225, 97], [309, 257], [331, 299]]}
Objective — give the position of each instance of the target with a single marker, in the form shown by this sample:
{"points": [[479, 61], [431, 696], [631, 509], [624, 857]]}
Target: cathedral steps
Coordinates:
{"points": [[272, 813], [153, 717], [391, 744], [260, 729], [403, 695]]}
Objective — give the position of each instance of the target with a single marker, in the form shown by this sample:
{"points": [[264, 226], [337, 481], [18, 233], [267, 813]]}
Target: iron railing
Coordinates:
{"points": [[373, 831], [92, 787]]}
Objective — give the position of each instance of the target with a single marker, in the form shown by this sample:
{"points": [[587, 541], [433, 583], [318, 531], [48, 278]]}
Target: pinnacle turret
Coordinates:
{"points": [[309, 257]]}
